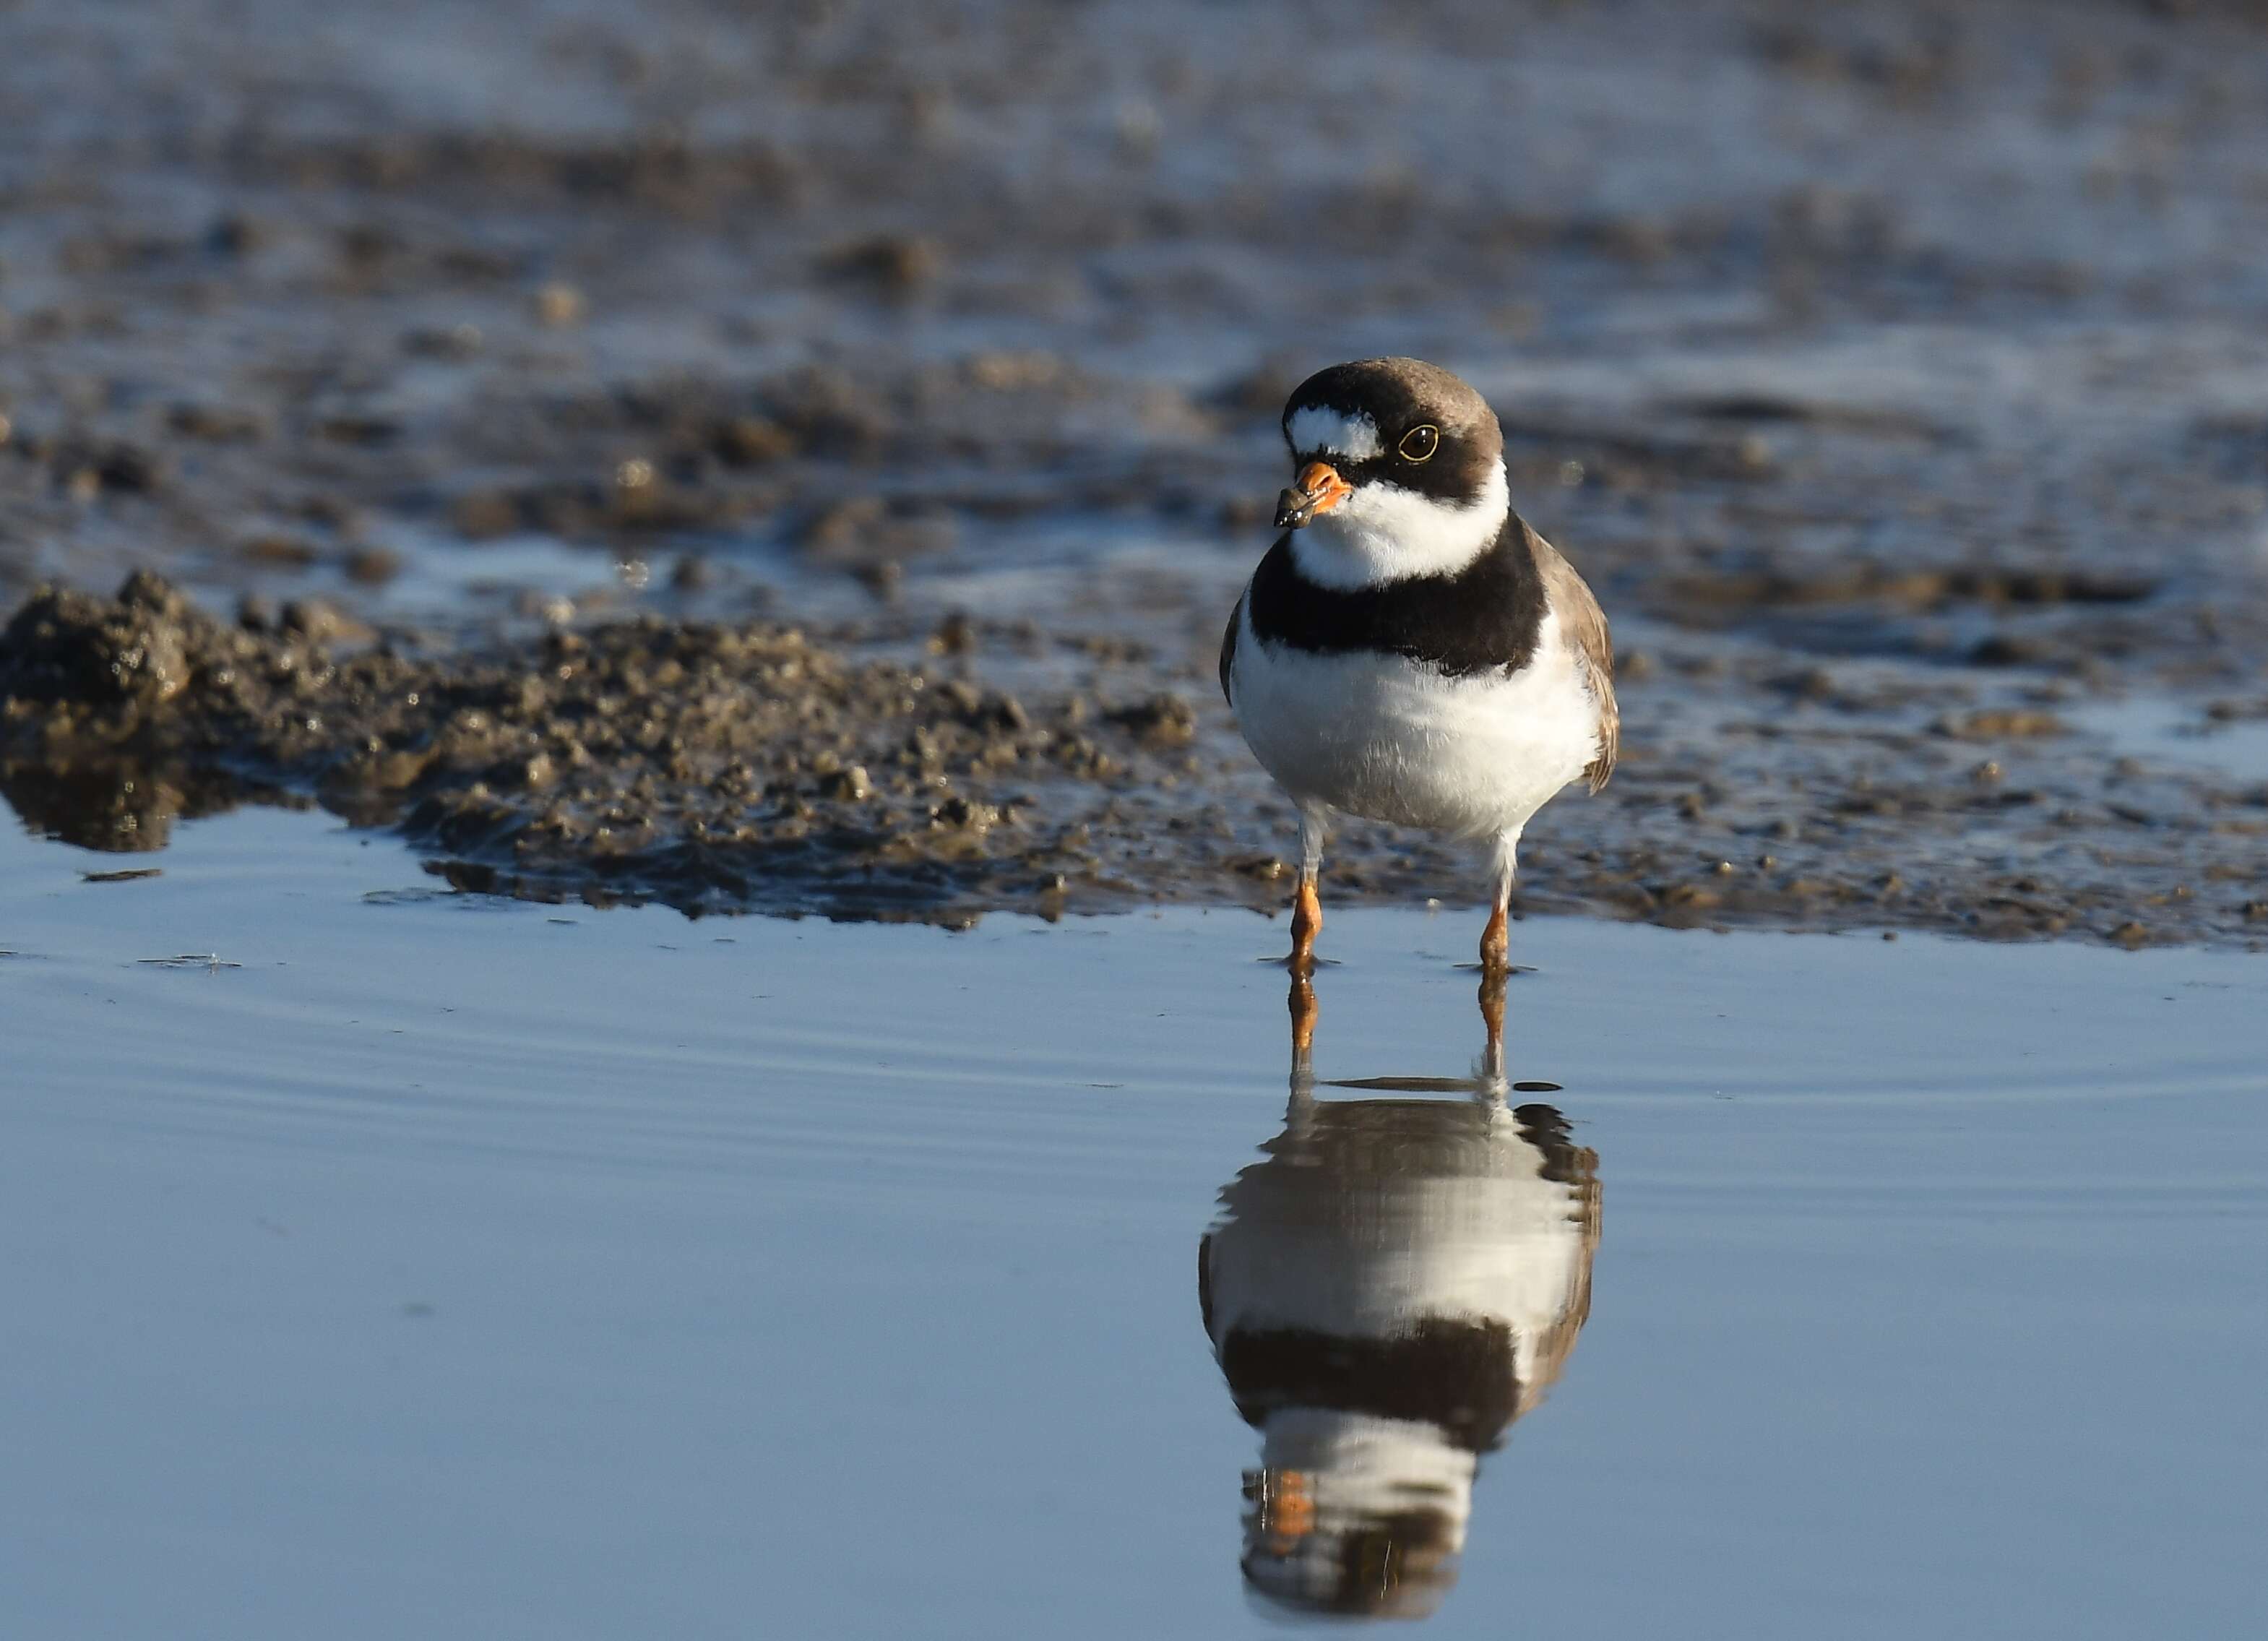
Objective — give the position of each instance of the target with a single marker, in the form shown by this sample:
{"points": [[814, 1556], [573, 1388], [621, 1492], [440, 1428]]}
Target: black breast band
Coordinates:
{"points": [[1486, 615]]}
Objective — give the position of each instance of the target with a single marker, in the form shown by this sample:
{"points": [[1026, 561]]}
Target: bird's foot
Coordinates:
{"points": [[1306, 923], [1496, 945]]}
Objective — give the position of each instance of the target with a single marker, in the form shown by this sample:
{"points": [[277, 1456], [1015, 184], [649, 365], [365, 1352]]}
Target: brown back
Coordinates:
{"points": [[1586, 625]]}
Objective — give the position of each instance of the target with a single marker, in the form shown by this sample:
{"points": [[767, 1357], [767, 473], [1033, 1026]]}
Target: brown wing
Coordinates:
{"points": [[1586, 625], [1228, 648]]}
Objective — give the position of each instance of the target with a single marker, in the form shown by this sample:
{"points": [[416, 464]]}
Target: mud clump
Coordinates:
{"points": [[65, 648], [706, 765]]}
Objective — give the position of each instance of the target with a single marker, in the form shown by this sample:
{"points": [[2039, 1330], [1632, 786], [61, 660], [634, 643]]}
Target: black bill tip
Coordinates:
{"points": [[1293, 508]]}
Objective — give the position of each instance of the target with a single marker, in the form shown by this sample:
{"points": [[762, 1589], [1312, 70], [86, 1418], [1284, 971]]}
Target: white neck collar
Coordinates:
{"points": [[1384, 532]]}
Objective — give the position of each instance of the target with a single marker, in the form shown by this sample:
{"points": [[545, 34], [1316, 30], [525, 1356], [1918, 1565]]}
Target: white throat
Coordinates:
{"points": [[1384, 532]]}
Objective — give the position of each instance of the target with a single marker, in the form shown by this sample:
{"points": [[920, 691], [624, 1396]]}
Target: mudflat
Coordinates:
{"points": [[873, 415]]}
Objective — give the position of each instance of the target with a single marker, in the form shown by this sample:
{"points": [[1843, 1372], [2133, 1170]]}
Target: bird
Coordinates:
{"points": [[1410, 650], [1395, 1284]]}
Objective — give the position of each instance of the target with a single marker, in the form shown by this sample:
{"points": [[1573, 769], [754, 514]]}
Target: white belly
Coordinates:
{"points": [[1391, 739], [1371, 1258]]}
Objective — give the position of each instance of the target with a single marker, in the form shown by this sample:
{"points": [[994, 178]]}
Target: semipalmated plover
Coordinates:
{"points": [[1397, 1282], [1409, 651]]}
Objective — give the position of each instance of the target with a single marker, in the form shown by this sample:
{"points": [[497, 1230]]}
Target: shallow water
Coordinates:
{"points": [[2169, 732], [418, 1261]]}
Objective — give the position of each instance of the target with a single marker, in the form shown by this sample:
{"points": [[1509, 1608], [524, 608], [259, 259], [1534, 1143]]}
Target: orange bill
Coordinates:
{"points": [[1316, 490]]}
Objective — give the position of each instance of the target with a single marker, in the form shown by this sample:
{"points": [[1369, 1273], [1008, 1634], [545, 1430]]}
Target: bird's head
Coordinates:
{"points": [[1364, 1538], [1398, 471]]}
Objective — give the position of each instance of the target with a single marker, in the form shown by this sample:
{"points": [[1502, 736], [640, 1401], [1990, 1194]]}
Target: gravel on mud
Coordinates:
{"points": [[751, 767]]}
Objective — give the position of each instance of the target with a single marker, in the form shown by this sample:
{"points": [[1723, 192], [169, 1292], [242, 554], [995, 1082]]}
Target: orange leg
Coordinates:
{"points": [[1492, 1017], [1496, 944], [1306, 923], [1495, 939], [1302, 1005]]}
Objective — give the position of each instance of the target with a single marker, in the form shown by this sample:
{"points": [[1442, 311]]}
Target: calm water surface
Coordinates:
{"points": [[410, 1264]]}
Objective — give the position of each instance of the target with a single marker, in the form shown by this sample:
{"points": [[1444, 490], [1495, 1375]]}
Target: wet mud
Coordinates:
{"points": [[709, 765], [798, 458], [752, 767]]}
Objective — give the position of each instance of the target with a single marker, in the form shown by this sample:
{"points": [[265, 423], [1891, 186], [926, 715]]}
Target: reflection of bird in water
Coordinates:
{"points": [[1397, 1282]]}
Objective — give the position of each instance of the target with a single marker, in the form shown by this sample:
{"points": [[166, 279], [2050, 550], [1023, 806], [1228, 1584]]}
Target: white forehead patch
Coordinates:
{"points": [[1314, 428]]}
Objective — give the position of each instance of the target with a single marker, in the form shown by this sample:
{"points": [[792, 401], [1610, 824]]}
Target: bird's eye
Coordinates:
{"points": [[1419, 443]]}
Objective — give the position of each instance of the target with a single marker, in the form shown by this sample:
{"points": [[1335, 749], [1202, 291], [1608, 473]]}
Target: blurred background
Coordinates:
{"points": [[461, 294], [1903, 365]]}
